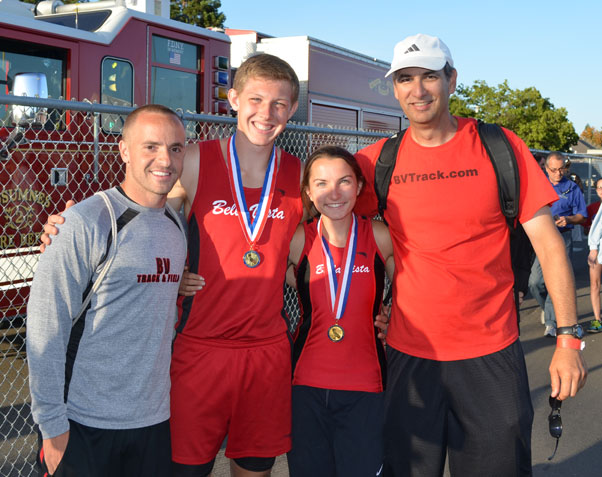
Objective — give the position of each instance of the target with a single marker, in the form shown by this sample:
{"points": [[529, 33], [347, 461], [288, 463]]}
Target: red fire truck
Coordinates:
{"points": [[123, 52]]}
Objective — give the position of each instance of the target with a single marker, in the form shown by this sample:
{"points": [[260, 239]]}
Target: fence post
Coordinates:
{"points": [[96, 146]]}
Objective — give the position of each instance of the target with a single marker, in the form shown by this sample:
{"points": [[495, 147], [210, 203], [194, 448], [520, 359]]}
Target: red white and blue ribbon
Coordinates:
{"points": [[251, 226], [339, 294]]}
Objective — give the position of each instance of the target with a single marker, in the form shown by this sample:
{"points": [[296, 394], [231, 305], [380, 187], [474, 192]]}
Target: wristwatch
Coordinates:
{"points": [[576, 331]]}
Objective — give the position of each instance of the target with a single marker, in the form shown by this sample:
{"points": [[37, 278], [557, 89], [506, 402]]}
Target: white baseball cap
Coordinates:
{"points": [[420, 51]]}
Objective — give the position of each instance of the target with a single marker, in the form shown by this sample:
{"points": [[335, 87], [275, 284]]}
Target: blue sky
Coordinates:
{"points": [[552, 45]]}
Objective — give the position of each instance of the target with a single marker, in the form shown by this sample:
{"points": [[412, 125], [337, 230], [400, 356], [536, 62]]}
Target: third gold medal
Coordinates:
{"points": [[339, 292]]}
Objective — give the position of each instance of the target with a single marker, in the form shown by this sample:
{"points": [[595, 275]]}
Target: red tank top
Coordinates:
{"points": [[356, 363], [237, 302]]}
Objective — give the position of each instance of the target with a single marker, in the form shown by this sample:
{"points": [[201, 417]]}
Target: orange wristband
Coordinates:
{"points": [[571, 343]]}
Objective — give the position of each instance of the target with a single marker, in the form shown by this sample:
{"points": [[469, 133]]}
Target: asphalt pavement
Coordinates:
{"points": [[580, 447]]}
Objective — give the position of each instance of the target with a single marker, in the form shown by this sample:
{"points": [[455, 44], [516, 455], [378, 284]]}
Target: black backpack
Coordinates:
{"points": [[506, 171]]}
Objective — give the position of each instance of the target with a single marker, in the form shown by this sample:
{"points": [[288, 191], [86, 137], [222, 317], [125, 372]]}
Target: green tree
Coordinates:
{"points": [[592, 135], [531, 116], [203, 13]]}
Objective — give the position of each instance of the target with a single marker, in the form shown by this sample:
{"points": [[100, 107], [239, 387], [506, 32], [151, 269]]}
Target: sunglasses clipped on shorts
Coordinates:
{"points": [[555, 422]]}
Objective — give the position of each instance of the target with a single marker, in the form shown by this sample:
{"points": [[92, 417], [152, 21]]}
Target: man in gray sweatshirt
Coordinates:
{"points": [[100, 387]]}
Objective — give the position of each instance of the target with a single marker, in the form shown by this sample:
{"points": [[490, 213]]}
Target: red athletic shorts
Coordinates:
{"points": [[242, 391]]}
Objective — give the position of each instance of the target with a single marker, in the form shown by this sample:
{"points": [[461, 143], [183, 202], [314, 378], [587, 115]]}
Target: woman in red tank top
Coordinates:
{"points": [[338, 382]]}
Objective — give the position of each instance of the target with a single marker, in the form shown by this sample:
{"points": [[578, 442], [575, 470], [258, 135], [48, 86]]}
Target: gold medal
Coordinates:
{"points": [[339, 291], [336, 333], [252, 221], [251, 259]]}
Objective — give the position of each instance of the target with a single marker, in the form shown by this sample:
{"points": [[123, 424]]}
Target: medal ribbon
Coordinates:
{"points": [[339, 294], [251, 227]]}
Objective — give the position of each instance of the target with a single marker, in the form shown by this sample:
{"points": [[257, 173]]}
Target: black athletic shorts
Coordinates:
{"points": [[477, 410], [336, 433], [93, 452]]}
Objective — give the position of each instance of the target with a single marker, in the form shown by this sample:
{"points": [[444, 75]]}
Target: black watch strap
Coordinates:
{"points": [[575, 331]]}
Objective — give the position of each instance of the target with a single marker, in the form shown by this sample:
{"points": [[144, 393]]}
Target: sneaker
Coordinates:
{"points": [[543, 317], [550, 331], [594, 326]]}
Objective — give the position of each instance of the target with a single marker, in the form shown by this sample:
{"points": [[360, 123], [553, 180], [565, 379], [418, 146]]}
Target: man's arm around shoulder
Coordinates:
{"points": [[567, 370], [184, 190]]}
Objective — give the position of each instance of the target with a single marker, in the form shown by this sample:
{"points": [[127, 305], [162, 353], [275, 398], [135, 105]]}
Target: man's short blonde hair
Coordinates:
{"points": [[268, 67]]}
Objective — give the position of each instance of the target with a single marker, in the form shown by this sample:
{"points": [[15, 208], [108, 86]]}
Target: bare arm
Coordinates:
{"points": [[54, 449], [297, 242], [296, 246], [183, 192], [385, 245], [567, 370], [295, 250], [177, 196], [306, 213], [592, 258], [565, 220]]}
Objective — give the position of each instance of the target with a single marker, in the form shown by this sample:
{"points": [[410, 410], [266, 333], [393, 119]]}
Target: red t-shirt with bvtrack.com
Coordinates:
{"points": [[453, 278]]}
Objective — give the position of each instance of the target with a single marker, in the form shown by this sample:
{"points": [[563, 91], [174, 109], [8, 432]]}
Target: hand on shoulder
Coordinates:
{"points": [[50, 226]]}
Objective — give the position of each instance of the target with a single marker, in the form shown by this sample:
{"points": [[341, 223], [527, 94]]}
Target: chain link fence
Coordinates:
{"points": [[52, 151]]}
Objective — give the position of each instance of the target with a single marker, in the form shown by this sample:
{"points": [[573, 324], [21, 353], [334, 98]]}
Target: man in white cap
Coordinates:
{"points": [[457, 382]]}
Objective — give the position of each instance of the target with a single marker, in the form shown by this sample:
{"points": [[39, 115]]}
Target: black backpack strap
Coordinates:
{"points": [[383, 169], [506, 169]]}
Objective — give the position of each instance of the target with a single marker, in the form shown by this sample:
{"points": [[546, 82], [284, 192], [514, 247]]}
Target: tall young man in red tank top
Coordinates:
{"points": [[231, 366]]}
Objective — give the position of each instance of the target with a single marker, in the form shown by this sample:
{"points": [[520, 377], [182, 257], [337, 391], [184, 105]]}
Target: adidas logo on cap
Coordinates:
{"points": [[420, 51]]}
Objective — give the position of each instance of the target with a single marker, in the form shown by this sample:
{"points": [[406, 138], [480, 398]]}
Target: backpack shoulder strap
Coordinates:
{"points": [[506, 169], [383, 169], [107, 263]]}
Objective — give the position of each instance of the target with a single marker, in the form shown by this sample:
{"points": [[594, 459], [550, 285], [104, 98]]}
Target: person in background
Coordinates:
{"points": [[338, 360], [541, 160], [569, 210], [577, 229], [594, 259], [592, 209]]}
